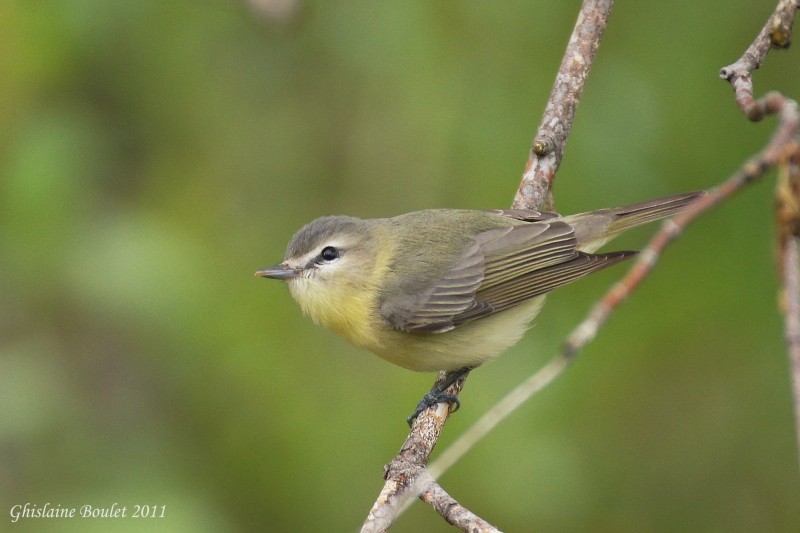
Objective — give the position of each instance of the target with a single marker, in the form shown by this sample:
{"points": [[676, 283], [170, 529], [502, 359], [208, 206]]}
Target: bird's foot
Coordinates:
{"points": [[437, 394], [431, 398]]}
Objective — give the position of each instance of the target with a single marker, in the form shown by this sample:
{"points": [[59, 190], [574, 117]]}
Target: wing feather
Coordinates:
{"points": [[500, 268]]}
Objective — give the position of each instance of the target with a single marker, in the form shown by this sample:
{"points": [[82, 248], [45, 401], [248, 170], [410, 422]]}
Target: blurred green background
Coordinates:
{"points": [[155, 154]]}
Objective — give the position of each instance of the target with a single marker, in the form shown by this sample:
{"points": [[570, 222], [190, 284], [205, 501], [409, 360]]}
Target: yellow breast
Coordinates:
{"points": [[341, 307], [349, 307]]}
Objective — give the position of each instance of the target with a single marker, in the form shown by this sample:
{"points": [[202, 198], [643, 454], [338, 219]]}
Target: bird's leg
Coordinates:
{"points": [[437, 394]]}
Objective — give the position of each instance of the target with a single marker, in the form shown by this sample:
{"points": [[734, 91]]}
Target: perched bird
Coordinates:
{"points": [[448, 289]]}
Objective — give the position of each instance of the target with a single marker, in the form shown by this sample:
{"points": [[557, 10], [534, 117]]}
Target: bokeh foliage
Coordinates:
{"points": [[155, 154]]}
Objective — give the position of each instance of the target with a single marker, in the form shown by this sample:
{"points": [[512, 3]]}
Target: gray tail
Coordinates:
{"points": [[595, 228], [629, 216]]}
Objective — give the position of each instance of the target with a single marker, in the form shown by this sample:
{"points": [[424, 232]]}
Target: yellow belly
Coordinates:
{"points": [[468, 345], [349, 309]]}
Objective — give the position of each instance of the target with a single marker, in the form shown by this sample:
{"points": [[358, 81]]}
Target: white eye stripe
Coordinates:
{"points": [[316, 257]]}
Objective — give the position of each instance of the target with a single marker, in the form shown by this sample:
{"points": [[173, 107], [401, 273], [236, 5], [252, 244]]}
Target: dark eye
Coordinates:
{"points": [[329, 253]]}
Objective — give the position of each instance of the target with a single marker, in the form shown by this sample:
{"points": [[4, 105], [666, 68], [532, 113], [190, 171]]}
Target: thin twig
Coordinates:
{"points": [[536, 188], [776, 33], [404, 475], [535, 191], [499, 412], [647, 259], [752, 170], [787, 215], [780, 148], [791, 300], [452, 511]]}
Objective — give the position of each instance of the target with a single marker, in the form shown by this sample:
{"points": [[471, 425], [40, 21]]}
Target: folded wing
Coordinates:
{"points": [[501, 268]]}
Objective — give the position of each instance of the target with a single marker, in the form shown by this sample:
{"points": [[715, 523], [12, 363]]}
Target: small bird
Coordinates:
{"points": [[448, 289]]}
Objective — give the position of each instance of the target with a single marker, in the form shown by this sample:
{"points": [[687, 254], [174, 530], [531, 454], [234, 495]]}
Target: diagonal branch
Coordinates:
{"points": [[776, 33], [535, 191], [752, 170], [781, 144], [782, 150], [536, 188], [406, 477]]}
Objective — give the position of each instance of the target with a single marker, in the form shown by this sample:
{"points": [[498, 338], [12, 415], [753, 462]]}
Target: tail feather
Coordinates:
{"points": [[595, 228], [630, 216]]}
